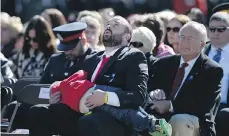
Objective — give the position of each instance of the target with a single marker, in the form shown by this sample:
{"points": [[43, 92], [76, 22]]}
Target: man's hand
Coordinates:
{"points": [[161, 106], [55, 98], [157, 95], [96, 99]]}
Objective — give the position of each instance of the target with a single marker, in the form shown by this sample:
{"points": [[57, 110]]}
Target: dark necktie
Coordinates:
{"points": [[217, 57], [178, 80]]}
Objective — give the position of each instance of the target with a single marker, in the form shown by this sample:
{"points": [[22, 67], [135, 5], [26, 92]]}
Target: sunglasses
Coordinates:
{"points": [[218, 29], [175, 29], [136, 44], [31, 39]]}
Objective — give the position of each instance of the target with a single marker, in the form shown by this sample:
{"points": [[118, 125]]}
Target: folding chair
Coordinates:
{"points": [[9, 81], [7, 96], [32, 94], [21, 83]]}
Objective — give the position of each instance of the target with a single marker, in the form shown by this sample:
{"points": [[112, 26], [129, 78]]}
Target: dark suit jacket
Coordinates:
{"points": [[207, 50], [126, 69], [150, 61], [57, 67], [199, 92]]}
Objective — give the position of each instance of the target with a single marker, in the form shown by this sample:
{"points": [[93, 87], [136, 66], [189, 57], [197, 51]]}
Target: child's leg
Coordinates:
{"points": [[138, 119]]}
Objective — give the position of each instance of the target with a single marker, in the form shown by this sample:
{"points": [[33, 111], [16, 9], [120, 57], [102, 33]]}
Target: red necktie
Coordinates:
{"points": [[178, 80]]}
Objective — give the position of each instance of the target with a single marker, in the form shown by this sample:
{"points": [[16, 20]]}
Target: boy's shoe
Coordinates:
{"points": [[162, 129]]}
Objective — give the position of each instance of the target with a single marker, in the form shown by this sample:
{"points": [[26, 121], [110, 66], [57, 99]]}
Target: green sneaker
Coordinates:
{"points": [[162, 129]]}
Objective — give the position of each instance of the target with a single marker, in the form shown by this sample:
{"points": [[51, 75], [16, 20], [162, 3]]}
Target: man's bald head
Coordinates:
{"points": [[199, 29], [123, 21], [192, 38]]}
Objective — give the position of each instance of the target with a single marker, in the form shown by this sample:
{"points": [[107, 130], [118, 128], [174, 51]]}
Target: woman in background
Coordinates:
{"points": [[39, 45], [173, 29]]}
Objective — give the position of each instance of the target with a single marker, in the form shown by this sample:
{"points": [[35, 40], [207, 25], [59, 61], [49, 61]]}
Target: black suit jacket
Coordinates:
{"points": [[150, 61], [199, 92], [57, 68], [126, 69], [207, 50]]}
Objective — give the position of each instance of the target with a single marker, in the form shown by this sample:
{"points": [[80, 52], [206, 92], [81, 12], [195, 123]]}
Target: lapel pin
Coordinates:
{"points": [[112, 77], [190, 78], [66, 73]]}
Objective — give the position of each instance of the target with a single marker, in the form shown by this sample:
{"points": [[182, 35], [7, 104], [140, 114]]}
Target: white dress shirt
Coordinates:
{"points": [[224, 63], [112, 97], [187, 70]]}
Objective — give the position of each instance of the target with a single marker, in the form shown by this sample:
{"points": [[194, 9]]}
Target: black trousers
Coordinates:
{"points": [[60, 119], [222, 120]]}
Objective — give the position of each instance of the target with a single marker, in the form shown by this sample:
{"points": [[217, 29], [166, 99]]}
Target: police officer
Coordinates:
{"points": [[74, 51]]}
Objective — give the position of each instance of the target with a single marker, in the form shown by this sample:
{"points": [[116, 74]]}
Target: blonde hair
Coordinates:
{"points": [[183, 19], [93, 23], [166, 16], [94, 14], [13, 24]]}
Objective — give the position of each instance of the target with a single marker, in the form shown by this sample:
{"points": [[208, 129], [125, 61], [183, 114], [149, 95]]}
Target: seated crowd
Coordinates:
{"points": [[146, 75]]}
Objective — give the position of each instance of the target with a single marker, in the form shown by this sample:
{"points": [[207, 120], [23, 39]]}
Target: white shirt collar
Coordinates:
{"points": [[224, 49], [190, 63], [110, 51]]}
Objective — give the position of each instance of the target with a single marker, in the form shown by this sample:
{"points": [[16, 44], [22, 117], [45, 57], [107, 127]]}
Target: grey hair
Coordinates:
{"points": [[220, 16], [198, 27]]}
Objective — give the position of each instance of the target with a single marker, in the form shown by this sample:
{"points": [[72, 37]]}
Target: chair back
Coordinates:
{"points": [[34, 94]]}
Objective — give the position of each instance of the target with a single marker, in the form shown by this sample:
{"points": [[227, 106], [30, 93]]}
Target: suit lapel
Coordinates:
{"points": [[173, 71], [119, 53], [175, 66], [207, 49], [195, 70]]}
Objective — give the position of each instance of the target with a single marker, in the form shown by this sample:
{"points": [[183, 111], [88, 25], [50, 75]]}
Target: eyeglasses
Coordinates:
{"points": [[218, 29], [188, 38], [175, 29], [31, 39], [136, 44]]}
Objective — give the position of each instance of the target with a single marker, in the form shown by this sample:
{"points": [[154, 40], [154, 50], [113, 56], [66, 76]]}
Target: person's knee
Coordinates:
{"points": [[177, 119], [35, 113], [84, 123], [184, 124]]}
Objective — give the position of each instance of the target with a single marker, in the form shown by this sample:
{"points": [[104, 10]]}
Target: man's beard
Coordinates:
{"points": [[112, 40], [70, 56], [81, 51]]}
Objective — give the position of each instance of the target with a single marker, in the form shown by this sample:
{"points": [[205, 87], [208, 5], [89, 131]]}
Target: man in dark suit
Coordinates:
{"points": [[218, 50], [125, 68], [191, 84]]}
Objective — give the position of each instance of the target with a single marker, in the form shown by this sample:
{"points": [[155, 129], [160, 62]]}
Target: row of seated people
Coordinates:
{"points": [[184, 89]]}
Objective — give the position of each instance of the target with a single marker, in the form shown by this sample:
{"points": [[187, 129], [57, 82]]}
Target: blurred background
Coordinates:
{"points": [[25, 9]]}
